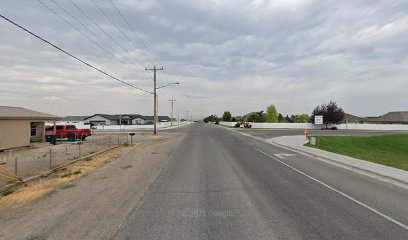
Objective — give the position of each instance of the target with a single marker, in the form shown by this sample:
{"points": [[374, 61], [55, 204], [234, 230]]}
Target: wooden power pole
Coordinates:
{"points": [[154, 69], [172, 107]]}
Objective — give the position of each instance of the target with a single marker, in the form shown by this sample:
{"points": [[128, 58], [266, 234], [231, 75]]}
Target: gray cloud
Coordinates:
{"points": [[229, 55]]}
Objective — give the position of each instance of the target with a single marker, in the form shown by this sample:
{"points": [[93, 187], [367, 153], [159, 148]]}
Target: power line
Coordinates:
{"points": [[71, 55], [84, 26], [153, 56], [76, 29], [135, 33], [76, 19], [100, 28], [114, 24], [117, 28]]}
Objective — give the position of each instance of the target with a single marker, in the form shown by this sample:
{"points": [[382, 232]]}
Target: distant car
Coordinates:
{"points": [[69, 131], [247, 125]]}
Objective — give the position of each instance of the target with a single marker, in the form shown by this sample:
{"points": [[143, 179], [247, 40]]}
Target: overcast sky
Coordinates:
{"points": [[232, 55]]}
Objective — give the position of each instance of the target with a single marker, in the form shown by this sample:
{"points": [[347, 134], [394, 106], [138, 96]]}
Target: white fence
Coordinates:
{"points": [[366, 126], [130, 127], [343, 126]]}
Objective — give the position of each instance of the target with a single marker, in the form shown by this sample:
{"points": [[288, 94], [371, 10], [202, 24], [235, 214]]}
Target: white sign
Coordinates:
{"points": [[318, 119]]}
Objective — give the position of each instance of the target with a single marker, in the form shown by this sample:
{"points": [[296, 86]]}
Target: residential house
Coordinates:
{"points": [[391, 117], [123, 119], [20, 126]]}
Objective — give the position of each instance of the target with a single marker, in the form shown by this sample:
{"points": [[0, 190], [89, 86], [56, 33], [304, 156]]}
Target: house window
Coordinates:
{"points": [[33, 129]]}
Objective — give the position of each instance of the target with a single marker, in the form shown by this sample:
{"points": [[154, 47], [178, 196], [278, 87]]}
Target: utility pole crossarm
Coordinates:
{"points": [[154, 69]]}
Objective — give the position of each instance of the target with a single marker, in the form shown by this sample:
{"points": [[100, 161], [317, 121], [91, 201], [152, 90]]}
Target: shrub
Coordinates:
{"points": [[237, 125]]}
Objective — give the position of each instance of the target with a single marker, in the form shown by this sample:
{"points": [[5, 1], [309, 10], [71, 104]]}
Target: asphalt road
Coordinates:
{"points": [[271, 133], [219, 184]]}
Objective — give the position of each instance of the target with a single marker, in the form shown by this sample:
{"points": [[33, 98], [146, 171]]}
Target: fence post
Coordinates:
{"points": [[50, 160], [79, 148], [16, 166]]}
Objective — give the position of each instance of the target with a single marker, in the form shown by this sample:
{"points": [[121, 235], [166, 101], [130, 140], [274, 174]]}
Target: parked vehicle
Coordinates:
{"points": [[69, 131]]}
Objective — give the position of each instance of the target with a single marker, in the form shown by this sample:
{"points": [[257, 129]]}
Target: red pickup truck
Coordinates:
{"points": [[69, 131]]}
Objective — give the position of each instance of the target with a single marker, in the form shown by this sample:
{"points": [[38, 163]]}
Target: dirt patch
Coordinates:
{"points": [[20, 195]]}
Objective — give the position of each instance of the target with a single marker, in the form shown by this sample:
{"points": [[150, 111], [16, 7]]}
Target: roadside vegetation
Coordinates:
{"points": [[271, 115], [389, 150]]}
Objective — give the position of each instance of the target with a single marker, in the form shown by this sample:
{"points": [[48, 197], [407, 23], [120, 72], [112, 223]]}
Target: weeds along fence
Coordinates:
{"points": [[42, 157]]}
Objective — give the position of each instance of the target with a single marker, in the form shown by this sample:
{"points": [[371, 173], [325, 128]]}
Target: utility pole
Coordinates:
{"points": [[154, 69], [172, 107]]}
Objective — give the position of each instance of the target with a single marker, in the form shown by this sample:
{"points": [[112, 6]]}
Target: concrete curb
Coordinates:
{"points": [[377, 175], [342, 163], [46, 173]]}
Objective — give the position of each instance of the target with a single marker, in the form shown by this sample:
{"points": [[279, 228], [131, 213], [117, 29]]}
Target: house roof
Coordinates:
{"points": [[160, 118], [111, 116], [400, 116], [133, 116], [19, 113], [351, 118], [127, 116], [73, 118], [391, 117], [107, 116]]}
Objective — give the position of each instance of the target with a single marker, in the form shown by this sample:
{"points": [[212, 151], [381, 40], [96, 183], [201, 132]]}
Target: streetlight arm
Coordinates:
{"points": [[167, 85]]}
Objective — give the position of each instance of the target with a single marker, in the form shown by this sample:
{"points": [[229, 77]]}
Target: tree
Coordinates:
{"points": [[211, 118], [256, 117], [331, 113], [271, 114], [302, 118], [280, 117], [226, 117]]}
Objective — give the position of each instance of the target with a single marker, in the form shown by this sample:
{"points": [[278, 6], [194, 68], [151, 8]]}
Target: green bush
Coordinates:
{"points": [[237, 125]]}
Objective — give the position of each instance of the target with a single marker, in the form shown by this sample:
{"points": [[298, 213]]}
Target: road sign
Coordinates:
{"points": [[318, 120]]}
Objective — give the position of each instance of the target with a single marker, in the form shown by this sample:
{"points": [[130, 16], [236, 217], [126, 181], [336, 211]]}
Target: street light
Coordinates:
{"points": [[167, 85], [157, 104], [155, 69]]}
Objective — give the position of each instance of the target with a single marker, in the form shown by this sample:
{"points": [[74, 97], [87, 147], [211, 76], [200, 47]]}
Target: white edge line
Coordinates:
{"points": [[337, 191], [377, 176]]}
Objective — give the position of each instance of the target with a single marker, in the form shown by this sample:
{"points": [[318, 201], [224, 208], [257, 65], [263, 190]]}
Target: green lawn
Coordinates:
{"points": [[387, 150]]}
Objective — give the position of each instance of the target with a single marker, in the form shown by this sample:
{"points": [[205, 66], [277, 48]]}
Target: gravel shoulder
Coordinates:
{"points": [[96, 205]]}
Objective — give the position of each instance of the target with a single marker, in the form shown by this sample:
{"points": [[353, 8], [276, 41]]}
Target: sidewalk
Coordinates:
{"points": [[297, 142]]}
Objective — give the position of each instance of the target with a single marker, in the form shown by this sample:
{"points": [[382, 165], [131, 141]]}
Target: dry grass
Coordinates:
{"points": [[23, 194]]}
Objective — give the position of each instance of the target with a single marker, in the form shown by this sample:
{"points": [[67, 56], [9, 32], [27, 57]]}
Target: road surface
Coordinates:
{"points": [[271, 133], [215, 183], [221, 185]]}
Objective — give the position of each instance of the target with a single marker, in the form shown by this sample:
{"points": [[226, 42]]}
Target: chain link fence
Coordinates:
{"points": [[41, 157]]}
